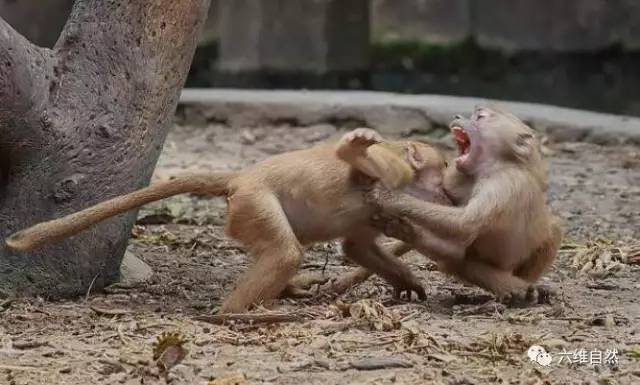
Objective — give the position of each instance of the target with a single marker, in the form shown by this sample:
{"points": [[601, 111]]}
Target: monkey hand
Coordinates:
{"points": [[353, 145], [395, 227], [534, 294], [406, 289], [379, 196], [362, 137]]}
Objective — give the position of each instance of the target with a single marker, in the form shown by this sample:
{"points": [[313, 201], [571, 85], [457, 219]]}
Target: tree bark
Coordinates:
{"points": [[83, 122]]}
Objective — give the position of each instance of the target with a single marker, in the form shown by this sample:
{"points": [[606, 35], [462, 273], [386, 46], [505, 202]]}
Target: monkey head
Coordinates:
{"points": [[427, 165], [491, 136]]}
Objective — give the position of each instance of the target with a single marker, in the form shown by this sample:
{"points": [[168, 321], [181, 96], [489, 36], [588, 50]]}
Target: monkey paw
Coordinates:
{"points": [[379, 196], [535, 294], [300, 286], [362, 137], [406, 290], [395, 227], [406, 293]]}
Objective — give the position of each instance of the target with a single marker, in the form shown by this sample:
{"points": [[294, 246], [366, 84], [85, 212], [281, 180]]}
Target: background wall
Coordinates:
{"points": [[574, 53]]}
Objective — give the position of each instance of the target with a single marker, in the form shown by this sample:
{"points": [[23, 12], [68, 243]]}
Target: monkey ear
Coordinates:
{"points": [[414, 157], [387, 166], [524, 144]]}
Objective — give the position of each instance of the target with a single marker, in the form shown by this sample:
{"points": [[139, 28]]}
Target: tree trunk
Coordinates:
{"points": [[84, 122]]}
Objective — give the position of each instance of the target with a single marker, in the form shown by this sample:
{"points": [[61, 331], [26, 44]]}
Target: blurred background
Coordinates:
{"points": [[582, 54]]}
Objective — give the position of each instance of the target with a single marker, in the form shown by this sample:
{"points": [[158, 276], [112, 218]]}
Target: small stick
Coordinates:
{"points": [[29, 345], [21, 368], [103, 311], [255, 318]]}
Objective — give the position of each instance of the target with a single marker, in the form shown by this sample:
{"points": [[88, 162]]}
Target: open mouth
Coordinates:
{"points": [[463, 142]]}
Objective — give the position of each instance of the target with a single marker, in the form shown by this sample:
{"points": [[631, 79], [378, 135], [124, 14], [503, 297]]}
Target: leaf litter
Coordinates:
{"points": [[362, 336]]}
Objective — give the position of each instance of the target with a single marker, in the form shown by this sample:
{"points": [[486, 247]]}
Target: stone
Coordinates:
{"points": [[134, 271]]}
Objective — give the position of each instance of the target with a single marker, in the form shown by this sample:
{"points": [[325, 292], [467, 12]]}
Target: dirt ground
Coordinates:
{"points": [[459, 335]]}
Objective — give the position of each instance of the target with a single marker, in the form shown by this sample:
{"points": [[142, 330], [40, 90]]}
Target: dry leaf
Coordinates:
{"points": [[168, 351], [231, 379]]}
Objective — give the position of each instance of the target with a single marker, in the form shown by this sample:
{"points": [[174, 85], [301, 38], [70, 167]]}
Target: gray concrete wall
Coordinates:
{"points": [[543, 25], [557, 25]]}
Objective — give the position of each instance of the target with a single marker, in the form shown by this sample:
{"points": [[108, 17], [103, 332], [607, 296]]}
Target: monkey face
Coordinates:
{"points": [[429, 165], [491, 135]]}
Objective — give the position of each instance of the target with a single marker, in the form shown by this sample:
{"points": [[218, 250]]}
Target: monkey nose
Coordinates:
{"points": [[457, 116]]}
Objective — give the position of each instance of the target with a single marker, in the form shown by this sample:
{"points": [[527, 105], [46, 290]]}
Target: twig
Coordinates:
{"points": [[86, 297], [5, 305], [380, 363], [102, 311], [254, 318], [121, 335], [326, 262], [30, 345], [21, 368]]}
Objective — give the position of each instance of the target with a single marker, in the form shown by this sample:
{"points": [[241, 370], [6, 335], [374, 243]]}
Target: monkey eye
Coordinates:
{"points": [[482, 113], [446, 164], [523, 139]]}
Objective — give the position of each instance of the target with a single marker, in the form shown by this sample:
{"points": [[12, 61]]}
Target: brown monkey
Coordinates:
{"points": [[289, 200], [501, 236]]}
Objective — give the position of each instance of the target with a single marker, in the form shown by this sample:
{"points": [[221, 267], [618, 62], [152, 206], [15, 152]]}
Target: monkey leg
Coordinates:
{"points": [[259, 222], [452, 258], [504, 284], [300, 285], [543, 257], [368, 254], [361, 274]]}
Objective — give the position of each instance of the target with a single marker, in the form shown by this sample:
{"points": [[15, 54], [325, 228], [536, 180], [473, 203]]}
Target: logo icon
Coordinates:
{"points": [[537, 354]]}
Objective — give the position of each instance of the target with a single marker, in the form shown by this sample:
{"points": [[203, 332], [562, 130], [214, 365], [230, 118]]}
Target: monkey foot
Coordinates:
{"points": [[538, 294], [300, 286], [407, 294]]}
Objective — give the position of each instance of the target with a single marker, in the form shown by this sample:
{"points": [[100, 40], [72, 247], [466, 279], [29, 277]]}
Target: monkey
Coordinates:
{"points": [[499, 234], [288, 201]]}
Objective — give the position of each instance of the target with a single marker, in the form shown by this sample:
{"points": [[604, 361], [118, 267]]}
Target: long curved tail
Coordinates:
{"points": [[214, 183]]}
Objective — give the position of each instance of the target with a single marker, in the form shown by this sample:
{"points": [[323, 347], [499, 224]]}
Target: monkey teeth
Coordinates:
{"points": [[462, 139]]}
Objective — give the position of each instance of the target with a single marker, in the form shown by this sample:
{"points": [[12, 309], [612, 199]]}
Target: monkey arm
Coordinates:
{"points": [[353, 145], [458, 223], [360, 148], [439, 247]]}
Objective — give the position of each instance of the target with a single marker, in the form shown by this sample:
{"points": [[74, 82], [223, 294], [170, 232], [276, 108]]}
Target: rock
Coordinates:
{"points": [[133, 271]]}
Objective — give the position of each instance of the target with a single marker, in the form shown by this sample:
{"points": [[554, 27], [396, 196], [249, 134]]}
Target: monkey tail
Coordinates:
{"points": [[214, 183]]}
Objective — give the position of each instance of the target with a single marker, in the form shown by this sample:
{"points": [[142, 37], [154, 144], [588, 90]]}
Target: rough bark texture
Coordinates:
{"points": [[83, 122]]}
